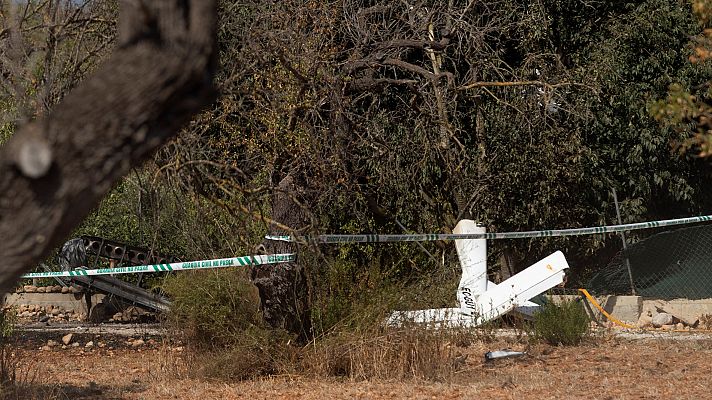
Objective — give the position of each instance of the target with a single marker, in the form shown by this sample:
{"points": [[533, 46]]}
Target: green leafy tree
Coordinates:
{"points": [[688, 105]]}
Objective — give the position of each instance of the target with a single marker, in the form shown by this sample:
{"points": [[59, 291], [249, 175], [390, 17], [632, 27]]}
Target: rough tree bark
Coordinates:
{"points": [[282, 287], [55, 170]]}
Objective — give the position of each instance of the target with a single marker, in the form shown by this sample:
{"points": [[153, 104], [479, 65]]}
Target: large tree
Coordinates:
{"points": [[54, 170]]}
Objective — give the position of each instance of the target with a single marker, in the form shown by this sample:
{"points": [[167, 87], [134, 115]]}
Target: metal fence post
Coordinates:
{"points": [[625, 246]]}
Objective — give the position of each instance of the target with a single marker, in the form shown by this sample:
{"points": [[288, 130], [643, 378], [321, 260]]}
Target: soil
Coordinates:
{"points": [[613, 367]]}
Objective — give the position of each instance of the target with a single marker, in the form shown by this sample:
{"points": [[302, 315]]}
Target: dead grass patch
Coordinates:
{"points": [[406, 353]]}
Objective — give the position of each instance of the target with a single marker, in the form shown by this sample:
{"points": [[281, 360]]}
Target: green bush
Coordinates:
{"points": [[213, 308], [216, 313], [565, 323]]}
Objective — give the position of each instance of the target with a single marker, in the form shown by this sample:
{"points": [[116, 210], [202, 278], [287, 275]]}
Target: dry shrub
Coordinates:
{"points": [[171, 362], [26, 388], [215, 315], [8, 360], [705, 321], [260, 352]]}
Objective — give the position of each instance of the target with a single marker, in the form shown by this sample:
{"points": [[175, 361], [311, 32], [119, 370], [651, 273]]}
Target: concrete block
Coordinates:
{"points": [[66, 301], [625, 308]]}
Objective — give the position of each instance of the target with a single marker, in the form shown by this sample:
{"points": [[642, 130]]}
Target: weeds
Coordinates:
{"points": [[17, 382], [8, 364], [216, 314], [705, 322]]}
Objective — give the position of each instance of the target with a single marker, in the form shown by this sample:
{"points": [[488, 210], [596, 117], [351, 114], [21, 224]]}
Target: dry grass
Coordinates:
{"points": [[20, 380], [407, 353], [608, 369], [225, 338], [394, 354], [172, 362], [705, 322]]}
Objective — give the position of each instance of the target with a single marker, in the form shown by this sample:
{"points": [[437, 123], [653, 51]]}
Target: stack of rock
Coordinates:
{"points": [[47, 313], [48, 289], [133, 314], [667, 321]]}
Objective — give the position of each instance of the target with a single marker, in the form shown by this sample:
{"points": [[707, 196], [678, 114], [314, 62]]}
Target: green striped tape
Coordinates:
{"points": [[179, 266], [375, 238]]}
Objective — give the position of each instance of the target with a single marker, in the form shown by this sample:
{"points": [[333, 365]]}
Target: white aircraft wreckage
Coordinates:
{"points": [[481, 300]]}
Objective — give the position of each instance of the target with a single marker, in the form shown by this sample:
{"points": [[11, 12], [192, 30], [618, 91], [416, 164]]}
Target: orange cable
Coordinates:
{"points": [[609, 316]]}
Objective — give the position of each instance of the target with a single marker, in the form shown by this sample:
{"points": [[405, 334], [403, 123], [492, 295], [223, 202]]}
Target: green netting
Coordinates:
{"points": [[676, 264]]}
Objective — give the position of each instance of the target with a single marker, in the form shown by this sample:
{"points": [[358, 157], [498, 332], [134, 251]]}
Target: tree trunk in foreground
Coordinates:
{"points": [[54, 171], [283, 287]]}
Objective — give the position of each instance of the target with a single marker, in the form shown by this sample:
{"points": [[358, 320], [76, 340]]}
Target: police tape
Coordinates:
{"points": [[378, 238], [178, 266]]}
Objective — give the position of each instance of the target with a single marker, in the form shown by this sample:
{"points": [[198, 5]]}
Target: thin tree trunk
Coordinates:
{"points": [[54, 171], [283, 287]]}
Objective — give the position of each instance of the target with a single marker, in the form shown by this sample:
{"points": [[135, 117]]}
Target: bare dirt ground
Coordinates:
{"points": [[610, 368]]}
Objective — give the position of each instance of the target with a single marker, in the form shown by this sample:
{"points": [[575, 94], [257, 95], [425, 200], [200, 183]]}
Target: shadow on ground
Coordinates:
{"points": [[67, 391]]}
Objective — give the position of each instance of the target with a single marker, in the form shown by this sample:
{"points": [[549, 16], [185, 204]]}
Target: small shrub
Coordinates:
{"points": [[212, 308], [565, 323], [217, 315]]}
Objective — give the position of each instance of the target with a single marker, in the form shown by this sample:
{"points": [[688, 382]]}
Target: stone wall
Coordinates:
{"points": [[635, 310]]}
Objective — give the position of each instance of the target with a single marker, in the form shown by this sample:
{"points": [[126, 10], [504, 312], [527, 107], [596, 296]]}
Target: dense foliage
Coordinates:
{"points": [[521, 116]]}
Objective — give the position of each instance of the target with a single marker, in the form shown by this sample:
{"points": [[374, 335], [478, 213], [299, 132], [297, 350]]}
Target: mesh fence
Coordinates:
{"points": [[669, 265]]}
